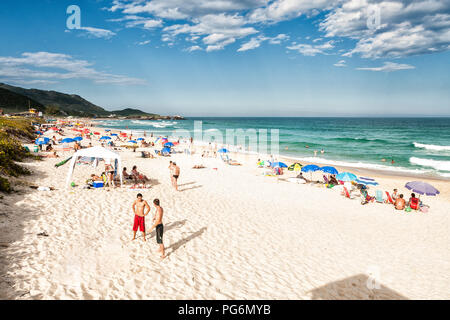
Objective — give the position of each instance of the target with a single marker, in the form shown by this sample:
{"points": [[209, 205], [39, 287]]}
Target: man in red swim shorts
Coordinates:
{"points": [[140, 209]]}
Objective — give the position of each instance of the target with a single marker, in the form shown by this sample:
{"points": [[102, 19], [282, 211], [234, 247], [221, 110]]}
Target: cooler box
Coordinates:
{"points": [[36, 149], [98, 184]]}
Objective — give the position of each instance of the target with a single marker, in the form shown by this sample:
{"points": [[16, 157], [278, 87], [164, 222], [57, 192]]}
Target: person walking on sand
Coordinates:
{"points": [[158, 225], [171, 171], [140, 209], [176, 175]]}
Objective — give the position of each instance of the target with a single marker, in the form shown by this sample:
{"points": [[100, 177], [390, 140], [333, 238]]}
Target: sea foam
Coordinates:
{"points": [[431, 147], [435, 164]]}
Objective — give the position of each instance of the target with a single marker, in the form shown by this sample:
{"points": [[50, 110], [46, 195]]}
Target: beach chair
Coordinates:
{"points": [[379, 196], [346, 193], [389, 198]]}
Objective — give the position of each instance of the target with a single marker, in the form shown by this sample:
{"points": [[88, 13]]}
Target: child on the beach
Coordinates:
{"points": [[140, 209]]}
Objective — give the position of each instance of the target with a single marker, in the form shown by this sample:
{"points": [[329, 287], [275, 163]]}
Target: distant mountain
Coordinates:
{"points": [[13, 102], [67, 104], [128, 112], [17, 99]]}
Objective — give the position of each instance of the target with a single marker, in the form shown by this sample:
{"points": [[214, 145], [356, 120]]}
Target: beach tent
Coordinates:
{"points": [[96, 153]]}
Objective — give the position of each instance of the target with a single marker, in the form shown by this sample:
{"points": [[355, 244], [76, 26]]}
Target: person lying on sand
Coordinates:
{"points": [[52, 155], [140, 209], [198, 166]]}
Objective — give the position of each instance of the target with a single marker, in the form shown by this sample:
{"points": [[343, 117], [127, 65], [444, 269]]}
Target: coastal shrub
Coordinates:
{"points": [[12, 132]]}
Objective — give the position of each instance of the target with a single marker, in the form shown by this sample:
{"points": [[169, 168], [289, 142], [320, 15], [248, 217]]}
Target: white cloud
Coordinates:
{"points": [[33, 66], [389, 67], [310, 49], [340, 63], [194, 48], [143, 43], [98, 33], [280, 10], [402, 27], [391, 28], [256, 41]]}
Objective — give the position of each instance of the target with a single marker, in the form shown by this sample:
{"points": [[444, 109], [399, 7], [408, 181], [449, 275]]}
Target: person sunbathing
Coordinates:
{"points": [[95, 177], [414, 202], [333, 180], [137, 175], [400, 203], [53, 155], [126, 175]]}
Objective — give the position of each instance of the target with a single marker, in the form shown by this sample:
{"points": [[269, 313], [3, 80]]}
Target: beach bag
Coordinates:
{"points": [[424, 209], [408, 209]]}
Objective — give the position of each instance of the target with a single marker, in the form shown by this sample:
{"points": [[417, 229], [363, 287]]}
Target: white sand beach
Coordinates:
{"points": [[230, 233]]}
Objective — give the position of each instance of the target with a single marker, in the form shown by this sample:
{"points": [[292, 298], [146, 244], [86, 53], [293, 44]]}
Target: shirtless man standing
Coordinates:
{"points": [[140, 209], [175, 175], [157, 223]]}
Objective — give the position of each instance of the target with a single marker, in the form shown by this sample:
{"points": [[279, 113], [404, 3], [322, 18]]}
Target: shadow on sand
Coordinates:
{"points": [[355, 288], [182, 242]]}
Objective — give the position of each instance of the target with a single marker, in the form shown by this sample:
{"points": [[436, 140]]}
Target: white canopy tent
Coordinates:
{"points": [[96, 153]]}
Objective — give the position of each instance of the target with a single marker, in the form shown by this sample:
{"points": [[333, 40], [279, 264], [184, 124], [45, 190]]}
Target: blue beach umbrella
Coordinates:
{"points": [[330, 170], [132, 141], [105, 138], [67, 140], [168, 144], [140, 139], [165, 150], [278, 164], [310, 168], [223, 150], [78, 138], [113, 134], [346, 176], [42, 140], [107, 130]]}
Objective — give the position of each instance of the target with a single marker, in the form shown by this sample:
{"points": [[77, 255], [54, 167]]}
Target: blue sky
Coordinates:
{"points": [[235, 58]]}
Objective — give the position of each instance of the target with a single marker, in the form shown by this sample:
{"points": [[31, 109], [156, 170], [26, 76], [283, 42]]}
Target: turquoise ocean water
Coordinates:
{"points": [[417, 146]]}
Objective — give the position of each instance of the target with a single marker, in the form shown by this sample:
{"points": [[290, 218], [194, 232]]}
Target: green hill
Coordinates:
{"points": [[14, 102], [67, 104], [128, 112]]}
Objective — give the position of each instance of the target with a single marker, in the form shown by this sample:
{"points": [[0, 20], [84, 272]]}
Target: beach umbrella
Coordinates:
{"points": [[132, 141], [223, 150], [140, 139], [165, 150], [97, 133], [310, 168], [113, 134], [278, 164], [346, 176], [422, 188], [107, 130], [330, 170], [78, 138], [366, 181], [38, 132], [42, 140], [295, 167], [168, 144], [105, 138], [67, 140]]}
